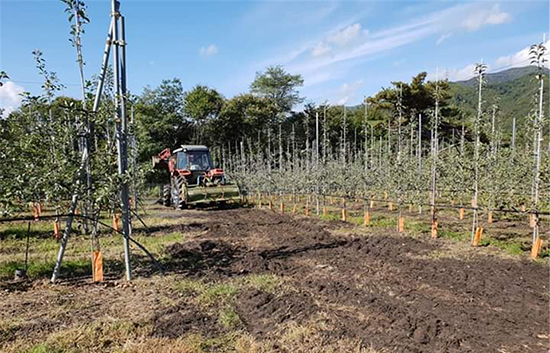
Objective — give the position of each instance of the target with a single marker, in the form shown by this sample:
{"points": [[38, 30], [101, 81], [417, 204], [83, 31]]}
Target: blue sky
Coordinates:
{"points": [[343, 49]]}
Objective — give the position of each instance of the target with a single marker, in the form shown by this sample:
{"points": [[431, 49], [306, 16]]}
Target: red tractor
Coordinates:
{"points": [[193, 178]]}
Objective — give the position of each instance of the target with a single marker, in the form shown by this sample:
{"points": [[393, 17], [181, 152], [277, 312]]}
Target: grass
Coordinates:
{"points": [[229, 319], [513, 248], [209, 294], [43, 348], [267, 282], [42, 269], [217, 293]]}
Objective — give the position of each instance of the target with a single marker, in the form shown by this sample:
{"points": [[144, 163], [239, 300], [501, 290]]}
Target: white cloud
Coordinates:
{"points": [[10, 97], [320, 49], [482, 17], [342, 101], [330, 55], [443, 38], [209, 50], [350, 88], [519, 59], [347, 91], [466, 73], [452, 74], [345, 35]]}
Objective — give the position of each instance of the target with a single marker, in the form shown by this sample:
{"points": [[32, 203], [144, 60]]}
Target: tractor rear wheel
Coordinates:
{"points": [[166, 198], [181, 187]]}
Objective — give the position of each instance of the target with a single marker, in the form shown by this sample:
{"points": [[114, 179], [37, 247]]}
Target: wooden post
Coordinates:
{"points": [[324, 211], [461, 213], [39, 208], [35, 212], [97, 266], [294, 208], [434, 228], [535, 249], [366, 220], [390, 206], [307, 207], [385, 195], [116, 219], [330, 200], [477, 237], [371, 203], [523, 208], [270, 204], [401, 224], [490, 217], [56, 229], [344, 212], [410, 208], [282, 206], [532, 220]]}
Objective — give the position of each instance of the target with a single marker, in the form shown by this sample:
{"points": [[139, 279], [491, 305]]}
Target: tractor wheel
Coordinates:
{"points": [[179, 192], [166, 198]]}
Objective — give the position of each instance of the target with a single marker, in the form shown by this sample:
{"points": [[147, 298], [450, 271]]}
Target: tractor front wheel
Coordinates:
{"points": [[166, 195]]}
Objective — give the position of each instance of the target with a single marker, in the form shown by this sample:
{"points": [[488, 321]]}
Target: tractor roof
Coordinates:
{"points": [[191, 148]]}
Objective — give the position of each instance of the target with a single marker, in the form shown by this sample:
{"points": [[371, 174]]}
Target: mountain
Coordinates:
{"points": [[504, 76], [514, 91]]}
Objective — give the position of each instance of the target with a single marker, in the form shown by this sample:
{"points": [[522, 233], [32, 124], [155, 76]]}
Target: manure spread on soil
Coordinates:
{"points": [[381, 289]]}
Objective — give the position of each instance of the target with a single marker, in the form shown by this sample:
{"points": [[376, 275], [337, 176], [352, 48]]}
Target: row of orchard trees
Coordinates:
{"points": [[408, 143], [42, 143]]}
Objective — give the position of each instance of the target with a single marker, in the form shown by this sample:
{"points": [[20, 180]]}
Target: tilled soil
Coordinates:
{"points": [[386, 291]]}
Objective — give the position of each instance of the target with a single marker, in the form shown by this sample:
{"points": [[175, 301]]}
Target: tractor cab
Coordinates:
{"points": [[191, 162], [193, 158]]}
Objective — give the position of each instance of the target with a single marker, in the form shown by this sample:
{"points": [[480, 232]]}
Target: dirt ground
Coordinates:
{"points": [[249, 280]]}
